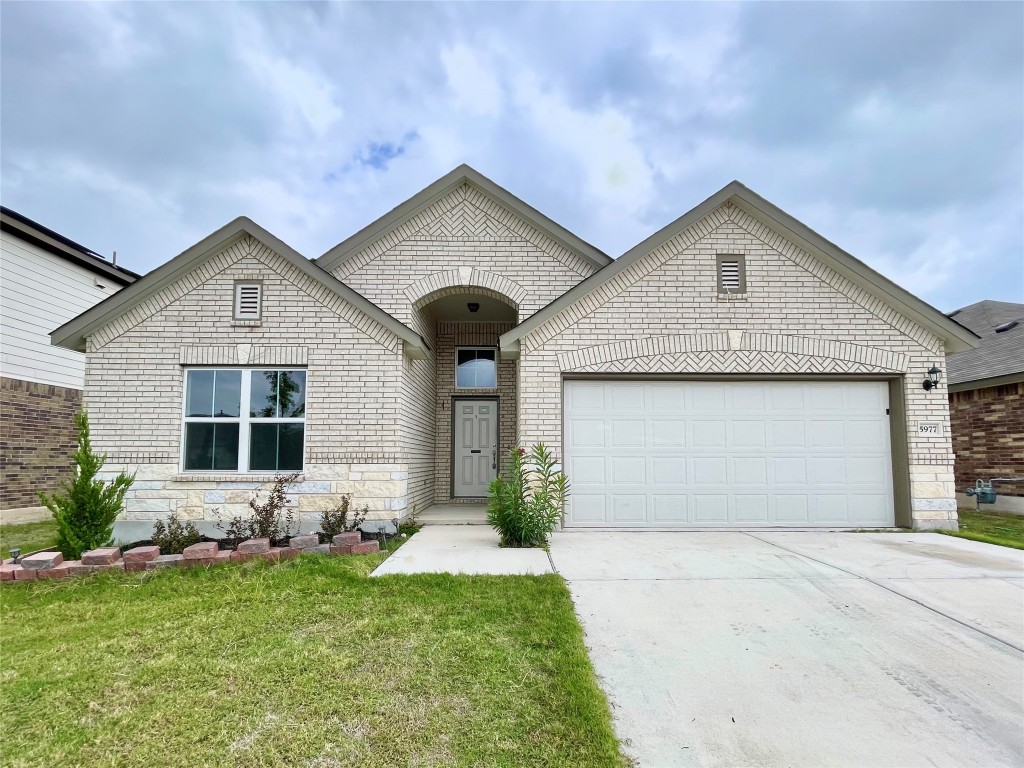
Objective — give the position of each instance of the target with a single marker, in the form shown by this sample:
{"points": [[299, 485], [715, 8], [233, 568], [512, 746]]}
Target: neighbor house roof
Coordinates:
{"points": [[72, 334], [956, 337], [443, 186], [999, 358], [62, 247]]}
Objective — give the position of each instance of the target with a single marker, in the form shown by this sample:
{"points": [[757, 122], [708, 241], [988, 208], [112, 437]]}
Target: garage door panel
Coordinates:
{"points": [[587, 433], [708, 434], [749, 434], [628, 433], [709, 508], [751, 509], [751, 470], [710, 454], [791, 509], [669, 509], [587, 470], [587, 508], [668, 470], [710, 470], [628, 470], [629, 508]]}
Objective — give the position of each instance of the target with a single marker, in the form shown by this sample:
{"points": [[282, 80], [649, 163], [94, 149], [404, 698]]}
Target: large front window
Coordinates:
{"points": [[239, 420]]}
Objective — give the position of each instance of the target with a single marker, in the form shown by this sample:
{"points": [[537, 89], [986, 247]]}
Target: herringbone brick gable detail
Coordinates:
{"points": [[833, 355], [465, 220], [729, 361], [467, 214]]}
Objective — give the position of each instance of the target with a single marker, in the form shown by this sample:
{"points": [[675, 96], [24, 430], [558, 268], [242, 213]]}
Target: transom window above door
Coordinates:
{"points": [[244, 420], [476, 368]]}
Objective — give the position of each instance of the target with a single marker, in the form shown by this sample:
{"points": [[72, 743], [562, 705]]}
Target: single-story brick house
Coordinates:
{"points": [[986, 402], [735, 369]]}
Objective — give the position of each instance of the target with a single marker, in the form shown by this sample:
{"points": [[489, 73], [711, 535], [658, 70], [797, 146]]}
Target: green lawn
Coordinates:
{"points": [[307, 663], [991, 527], [29, 537]]}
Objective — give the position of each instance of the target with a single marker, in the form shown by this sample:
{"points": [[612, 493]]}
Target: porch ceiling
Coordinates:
{"points": [[455, 309]]}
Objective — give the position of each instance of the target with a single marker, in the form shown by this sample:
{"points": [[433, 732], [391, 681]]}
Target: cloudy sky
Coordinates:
{"points": [[895, 130]]}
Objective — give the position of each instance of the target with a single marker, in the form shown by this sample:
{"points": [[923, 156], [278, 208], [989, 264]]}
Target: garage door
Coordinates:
{"points": [[664, 454]]}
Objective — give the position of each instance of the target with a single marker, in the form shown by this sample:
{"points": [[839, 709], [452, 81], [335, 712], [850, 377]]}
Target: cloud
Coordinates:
{"points": [[473, 84], [895, 130]]}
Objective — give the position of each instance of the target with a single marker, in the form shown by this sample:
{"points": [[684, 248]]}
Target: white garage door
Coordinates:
{"points": [[664, 454]]}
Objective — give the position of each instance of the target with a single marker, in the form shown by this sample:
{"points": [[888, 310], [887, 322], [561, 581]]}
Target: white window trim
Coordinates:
{"points": [[455, 363], [237, 301], [243, 421]]}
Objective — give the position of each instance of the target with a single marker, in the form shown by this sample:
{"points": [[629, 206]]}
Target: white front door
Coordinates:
{"points": [[665, 454], [475, 453]]}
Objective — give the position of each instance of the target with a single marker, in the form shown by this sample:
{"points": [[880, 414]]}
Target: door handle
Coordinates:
{"points": [[494, 458]]}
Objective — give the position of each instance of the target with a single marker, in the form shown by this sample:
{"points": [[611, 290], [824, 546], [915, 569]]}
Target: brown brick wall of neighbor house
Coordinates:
{"points": [[988, 436], [37, 439]]}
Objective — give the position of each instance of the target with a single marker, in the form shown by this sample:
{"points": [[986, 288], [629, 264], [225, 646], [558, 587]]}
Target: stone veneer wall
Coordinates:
{"points": [[988, 437], [37, 439], [450, 336], [797, 317], [135, 375]]}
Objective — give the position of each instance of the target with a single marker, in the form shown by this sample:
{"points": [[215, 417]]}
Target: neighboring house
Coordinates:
{"points": [[45, 280], [735, 369], [986, 403]]}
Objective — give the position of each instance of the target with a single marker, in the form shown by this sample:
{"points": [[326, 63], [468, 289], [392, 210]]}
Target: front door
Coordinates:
{"points": [[475, 453]]}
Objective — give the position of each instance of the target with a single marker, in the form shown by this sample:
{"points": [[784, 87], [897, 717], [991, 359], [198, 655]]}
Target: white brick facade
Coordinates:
{"points": [[664, 315], [378, 421]]}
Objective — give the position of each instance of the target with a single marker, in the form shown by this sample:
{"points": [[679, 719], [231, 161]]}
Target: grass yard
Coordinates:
{"points": [[991, 527], [308, 663], [28, 537]]}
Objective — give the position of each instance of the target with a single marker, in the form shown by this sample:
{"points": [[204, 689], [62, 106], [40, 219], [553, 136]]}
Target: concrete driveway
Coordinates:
{"points": [[804, 649]]}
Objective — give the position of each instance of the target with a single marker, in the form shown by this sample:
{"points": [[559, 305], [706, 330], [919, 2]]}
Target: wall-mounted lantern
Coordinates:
{"points": [[934, 375]]}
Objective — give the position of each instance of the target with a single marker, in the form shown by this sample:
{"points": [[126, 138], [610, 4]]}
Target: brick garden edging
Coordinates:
{"points": [[51, 565]]}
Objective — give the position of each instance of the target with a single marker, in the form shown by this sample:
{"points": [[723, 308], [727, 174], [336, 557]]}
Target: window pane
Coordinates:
{"points": [[476, 368], [289, 453], [292, 394], [275, 447], [211, 446], [225, 447], [199, 446], [263, 394], [227, 393], [199, 393]]}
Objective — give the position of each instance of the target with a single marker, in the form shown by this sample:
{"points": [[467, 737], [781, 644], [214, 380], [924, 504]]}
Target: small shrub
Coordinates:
{"points": [[173, 536], [85, 509], [270, 520], [335, 521], [525, 506]]}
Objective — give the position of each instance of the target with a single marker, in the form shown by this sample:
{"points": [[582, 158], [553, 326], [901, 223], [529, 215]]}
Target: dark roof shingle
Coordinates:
{"points": [[998, 354]]}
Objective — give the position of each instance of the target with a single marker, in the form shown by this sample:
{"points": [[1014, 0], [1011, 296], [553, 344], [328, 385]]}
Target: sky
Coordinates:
{"points": [[896, 130]]}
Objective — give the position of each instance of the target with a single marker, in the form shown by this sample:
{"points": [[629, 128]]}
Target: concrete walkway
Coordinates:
{"points": [[466, 549], [804, 649]]}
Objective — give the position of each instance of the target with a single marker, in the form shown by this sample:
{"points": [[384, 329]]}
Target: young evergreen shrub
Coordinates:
{"points": [[525, 506], [85, 508], [172, 537], [335, 521]]}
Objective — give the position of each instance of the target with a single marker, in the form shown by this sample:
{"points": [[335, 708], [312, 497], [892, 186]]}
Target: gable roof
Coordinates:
{"points": [[62, 247], [1000, 353], [72, 334], [956, 337], [443, 186]]}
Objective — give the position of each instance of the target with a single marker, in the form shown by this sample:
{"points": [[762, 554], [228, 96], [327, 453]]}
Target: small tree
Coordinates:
{"points": [[525, 506], [337, 520], [272, 519], [85, 509]]}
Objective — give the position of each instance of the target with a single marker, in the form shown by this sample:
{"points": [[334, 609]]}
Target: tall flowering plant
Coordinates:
{"points": [[526, 505]]}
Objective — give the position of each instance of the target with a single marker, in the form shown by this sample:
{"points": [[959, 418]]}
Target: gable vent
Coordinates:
{"points": [[248, 301], [731, 277]]}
